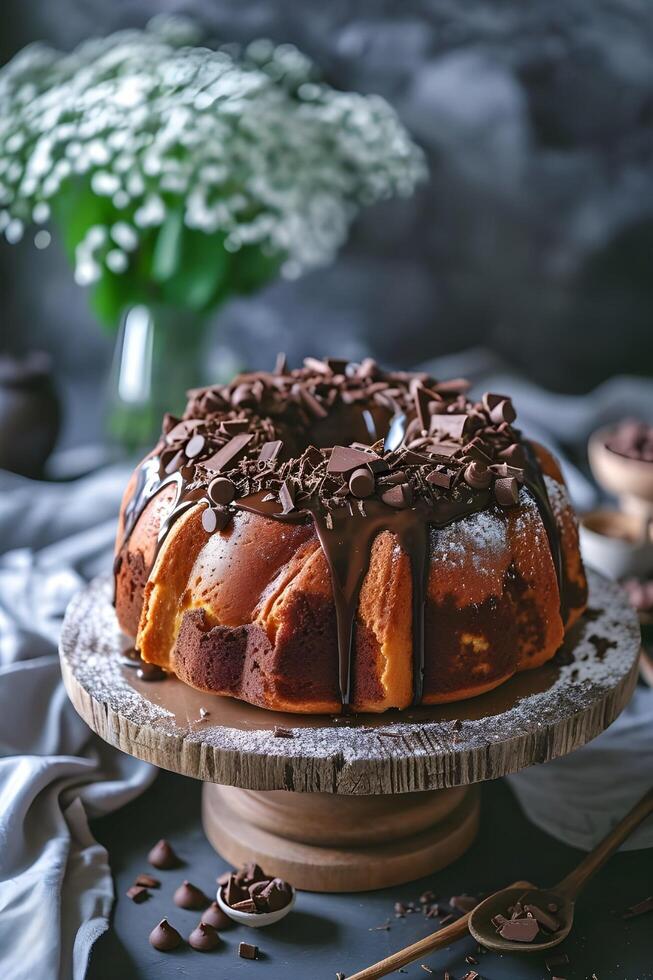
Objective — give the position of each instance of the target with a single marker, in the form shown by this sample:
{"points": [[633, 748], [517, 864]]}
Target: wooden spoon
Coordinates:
{"points": [[478, 922], [563, 895]]}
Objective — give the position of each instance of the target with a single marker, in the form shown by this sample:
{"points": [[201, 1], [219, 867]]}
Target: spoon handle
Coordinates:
{"points": [[576, 880], [437, 940]]}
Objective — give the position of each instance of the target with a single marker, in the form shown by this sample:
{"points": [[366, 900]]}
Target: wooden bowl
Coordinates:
{"points": [[631, 480]]}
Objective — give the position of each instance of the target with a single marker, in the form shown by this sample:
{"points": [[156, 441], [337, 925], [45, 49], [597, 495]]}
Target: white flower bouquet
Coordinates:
{"points": [[179, 175]]}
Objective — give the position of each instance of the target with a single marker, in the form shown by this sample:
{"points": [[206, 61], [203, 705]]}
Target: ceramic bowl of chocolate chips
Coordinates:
{"points": [[252, 898]]}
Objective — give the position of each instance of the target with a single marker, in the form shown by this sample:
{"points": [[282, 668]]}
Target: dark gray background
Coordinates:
{"points": [[534, 236]]}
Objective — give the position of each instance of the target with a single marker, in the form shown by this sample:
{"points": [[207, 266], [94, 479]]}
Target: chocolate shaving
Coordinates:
{"points": [[453, 426], [639, 909], [287, 497], [344, 459], [282, 732], [229, 454], [270, 451]]}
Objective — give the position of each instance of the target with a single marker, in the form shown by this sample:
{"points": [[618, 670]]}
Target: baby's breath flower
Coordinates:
{"points": [[248, 145]]}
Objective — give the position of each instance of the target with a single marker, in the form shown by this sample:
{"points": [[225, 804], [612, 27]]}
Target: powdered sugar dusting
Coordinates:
{"points": [[558, 496], [481, 536], [536, 716]]}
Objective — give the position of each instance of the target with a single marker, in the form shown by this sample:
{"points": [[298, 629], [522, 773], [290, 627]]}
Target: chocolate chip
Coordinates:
{"points": [[137, 893], [506, 491], [209, 520], [221, 490], [194, 446], [147, 881], [248, 952], [164, 937], [204, 938], [163, 856], [214, 916], [188, 896], [477, 476], [361, 483]]}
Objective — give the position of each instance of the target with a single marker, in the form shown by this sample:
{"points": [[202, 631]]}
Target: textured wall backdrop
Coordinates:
{"points": [[533, 237]]}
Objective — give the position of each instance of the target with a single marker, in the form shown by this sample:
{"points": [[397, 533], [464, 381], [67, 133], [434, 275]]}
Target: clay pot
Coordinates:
{"points": [[29, 413]]}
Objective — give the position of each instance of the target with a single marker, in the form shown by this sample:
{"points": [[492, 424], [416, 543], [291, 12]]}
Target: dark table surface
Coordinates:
{"points": [[330, 933]]}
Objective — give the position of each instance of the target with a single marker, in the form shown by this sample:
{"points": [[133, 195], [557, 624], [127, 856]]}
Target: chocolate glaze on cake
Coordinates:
{"points": [[357, 451]]}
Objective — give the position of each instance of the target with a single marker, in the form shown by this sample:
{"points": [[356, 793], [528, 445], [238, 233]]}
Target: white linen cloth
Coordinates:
{"points": [[55, 884], [56, 890]]}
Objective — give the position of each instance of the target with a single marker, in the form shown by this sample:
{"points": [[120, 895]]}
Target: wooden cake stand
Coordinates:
{"points": [[350, 804]]}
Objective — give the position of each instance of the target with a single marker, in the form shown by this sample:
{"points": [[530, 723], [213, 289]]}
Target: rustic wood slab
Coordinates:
{"points": [[536, 716]]}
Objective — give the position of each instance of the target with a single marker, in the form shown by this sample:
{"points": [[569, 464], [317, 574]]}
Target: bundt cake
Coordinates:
{"points": [[338, 537]]}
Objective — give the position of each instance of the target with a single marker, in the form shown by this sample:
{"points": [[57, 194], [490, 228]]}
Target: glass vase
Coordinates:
{"points": [[158, 357]]}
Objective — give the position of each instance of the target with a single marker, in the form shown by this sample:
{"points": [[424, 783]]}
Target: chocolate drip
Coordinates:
{"points": [[536, 486], [414, 541], [347, 538]]}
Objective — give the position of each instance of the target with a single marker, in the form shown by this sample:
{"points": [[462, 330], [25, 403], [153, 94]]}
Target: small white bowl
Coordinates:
{"points": [[610, 542], [257, 920]]}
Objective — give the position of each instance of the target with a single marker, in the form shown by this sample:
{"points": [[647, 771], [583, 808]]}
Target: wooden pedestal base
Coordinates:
{"points": [[327, 843], [389, 817]]}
